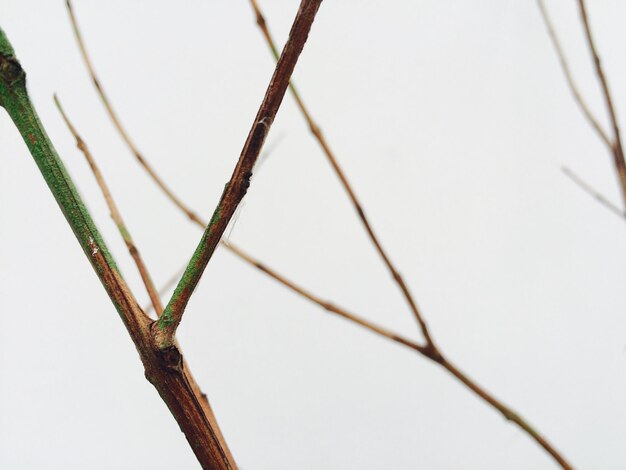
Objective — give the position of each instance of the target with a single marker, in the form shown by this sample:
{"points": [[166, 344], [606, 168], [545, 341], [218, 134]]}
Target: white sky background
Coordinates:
{"points": [[451, 119]]}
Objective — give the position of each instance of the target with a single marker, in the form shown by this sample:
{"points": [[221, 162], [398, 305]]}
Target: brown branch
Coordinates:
{"points": [[235, 190], [154, 296], [115, 119], [582, 104], [617, 149], [358, 207], [593, 193], [426, 351], [164, 369], [115, 213]]}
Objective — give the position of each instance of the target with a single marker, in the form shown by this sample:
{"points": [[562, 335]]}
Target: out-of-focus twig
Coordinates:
{"points": [[614, 142], [617, 148], [584, 107], [593, 193], [236, 188], [358, 207]]}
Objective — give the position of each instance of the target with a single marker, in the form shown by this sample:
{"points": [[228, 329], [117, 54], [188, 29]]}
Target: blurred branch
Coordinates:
{"points": [[584, 107], [617, 149], [429, 350], [593, 193], [613, 143]]}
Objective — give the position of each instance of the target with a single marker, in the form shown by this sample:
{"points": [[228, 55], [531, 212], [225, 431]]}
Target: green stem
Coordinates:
{"points": [[15, 100], [240, 180], [165, 369]]}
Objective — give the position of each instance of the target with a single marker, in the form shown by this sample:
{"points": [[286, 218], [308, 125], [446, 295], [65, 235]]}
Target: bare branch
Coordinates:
{"points": [[617, 149], [582, 104], [237, 187], [593, 193], [426, 351], [115, 213]]}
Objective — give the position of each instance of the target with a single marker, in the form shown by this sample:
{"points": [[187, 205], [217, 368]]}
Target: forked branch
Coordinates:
{"points": [[428, 351], [237, 187], [164, 369], [356, 203], [614, 142], [115, 213]]}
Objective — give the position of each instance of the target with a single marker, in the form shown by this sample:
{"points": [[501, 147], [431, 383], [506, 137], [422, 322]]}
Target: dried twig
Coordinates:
{"points": [[584, 107], [618, 150], [358, 207], [613, 143], [236, 188], [593, 193], [429, 350], [115, 119], [115, 213]]}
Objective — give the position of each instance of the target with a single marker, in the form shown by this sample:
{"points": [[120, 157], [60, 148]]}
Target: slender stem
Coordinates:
{"points": [[358, 207], [357, 320], [239, 182], [115, 119], [115, 213], [617, 148], [507, 412], [164, 369], [582, 104], [434, 356], [191, 214], [593, 193]]}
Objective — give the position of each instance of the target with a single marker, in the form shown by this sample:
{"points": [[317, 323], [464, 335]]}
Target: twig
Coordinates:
{"points": [[236, 188], [115, 119], [618, 151], [355, 319], [584, 107], [593, 193], [115, 213], [358, 207], [164, 369]]}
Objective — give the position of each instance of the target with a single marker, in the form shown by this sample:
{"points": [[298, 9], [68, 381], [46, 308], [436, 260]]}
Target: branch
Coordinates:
{"points": [[115, 119], [164, 369], [240, 180], [582, 104], [115, 213], [429, 350], [617, 149], [593, 193], [358, 207], [507, 412]]}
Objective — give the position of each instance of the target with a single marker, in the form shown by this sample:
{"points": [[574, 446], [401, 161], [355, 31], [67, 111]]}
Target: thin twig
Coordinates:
{"points": [[192, 215], [358, 207], [236, 188], [593, 193], [115, 213], [115, 119], [584, 107], [355, 319], [617, 149], [164, 369]]}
